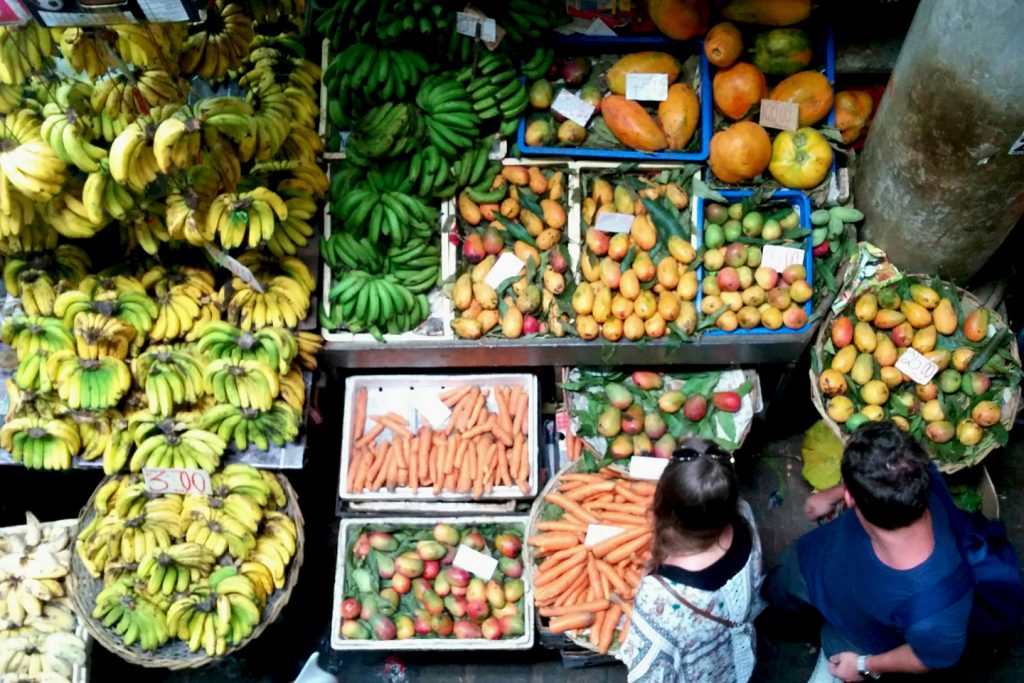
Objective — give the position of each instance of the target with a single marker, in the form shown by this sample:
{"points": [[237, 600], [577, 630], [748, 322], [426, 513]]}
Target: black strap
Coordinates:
{"points": [[706, 613]]}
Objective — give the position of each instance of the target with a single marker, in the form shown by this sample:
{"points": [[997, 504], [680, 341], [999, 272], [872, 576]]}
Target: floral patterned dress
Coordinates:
{"points": [[670, 643]]}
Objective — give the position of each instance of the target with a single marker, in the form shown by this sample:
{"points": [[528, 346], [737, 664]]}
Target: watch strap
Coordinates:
{"points": [[862, 667]]}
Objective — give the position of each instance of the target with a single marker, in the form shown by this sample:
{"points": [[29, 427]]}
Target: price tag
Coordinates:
{"points": [[475, 562], [488, 30], [466, 23], [596, 533], [916, 367], [599, 28], [433, 411], [11, 12], [614, 222], [1017, 148], [779, 114], [234, 266], [644, 467], [188, 482], [573, 108], [653, 87], [778, 258], [507, 265]]}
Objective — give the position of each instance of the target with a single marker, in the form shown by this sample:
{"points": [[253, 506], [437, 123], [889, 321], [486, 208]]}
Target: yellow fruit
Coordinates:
{"points": [[831, 382], [611, 329], [644, 267], [917, 315], [590, 267], [602, 309], [885, 351], [668, 306], [962, 358], [512, 323], [488, 320], [687, 289], [873, 412], [462, 292], [968, 432], [655, 326], [687, 320], [485, 295], [587, 327], [944, 317], [900, 422], [480, 270], [645, 305], [633, 328], [629, 285], [891, 376], [863, 369], [932, 411], [866, 307], [681, 250], [622, 307], [843, 361], [864, 337], [926, 296], [924, 339], [668, 272], [467, 328], [728, 321], [840, 408], [875, 392], [583, 299]]}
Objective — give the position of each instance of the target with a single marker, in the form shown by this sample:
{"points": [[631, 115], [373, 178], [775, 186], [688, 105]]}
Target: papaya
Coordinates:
{"points": [[679, 19], [642, 63], [853, 113], [678, 115], [800, 159], [782, 51], [738, 89], [631, 124], [741, 152], [767, 12], [723, 45], [811, 91]]}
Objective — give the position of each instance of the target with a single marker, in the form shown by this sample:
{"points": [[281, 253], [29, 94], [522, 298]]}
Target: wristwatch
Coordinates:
{"points": [[862, 667]]}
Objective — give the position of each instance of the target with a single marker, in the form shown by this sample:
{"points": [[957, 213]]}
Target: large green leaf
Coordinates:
{"points": [[822, 453]]}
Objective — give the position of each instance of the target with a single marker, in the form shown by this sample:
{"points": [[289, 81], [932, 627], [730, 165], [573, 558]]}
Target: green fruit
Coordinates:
{"points": [[714, 236], [732, 230], [715, 214], [752, 224], [782, 51], [854, 421]]}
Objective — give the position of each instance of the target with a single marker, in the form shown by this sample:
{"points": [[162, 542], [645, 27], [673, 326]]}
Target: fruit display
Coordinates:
{"points": [[206, 570], [587, 591], [405, 585], [640, 283], [41, 638], [620, 414], [854, 109], [784, 64], [476, 439], [738, 291], [519, 212], [672, 127], [964, 409]]}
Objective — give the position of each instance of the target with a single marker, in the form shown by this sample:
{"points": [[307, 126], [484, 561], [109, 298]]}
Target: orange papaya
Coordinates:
{"points": [[642, 63], [679, 19], [723, 45], [631, 124], [811, 91], [738, 89], [678, 115], [853, 112], [740, 153], [767, 12]]}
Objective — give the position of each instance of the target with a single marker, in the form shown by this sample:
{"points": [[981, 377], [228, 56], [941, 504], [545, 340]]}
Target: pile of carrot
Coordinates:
{"points": [[580, 587], [573, 445], [475, 451]]}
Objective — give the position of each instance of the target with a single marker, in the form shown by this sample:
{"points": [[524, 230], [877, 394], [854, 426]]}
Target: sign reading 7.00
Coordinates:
{"points": [[187, 482]]}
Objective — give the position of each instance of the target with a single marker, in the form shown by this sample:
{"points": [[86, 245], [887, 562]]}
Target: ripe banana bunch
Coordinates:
{"points": [[118, 447], [220, 613], [282, 303], [72, 217], [21, 216], [145, 230], [302, 145], [41, 656], [225, 115], [65, 130], [96, 286], [131, 614], [293, 389], [33, 236], [177, 142], [178, 311], [24, 51], [220, 43], [83, 51], [27, 163], [115, 198], [294, 232], [255, 213], [94, 429], [10, 98], [29, 335], [220, 533], [273, 111], [35, 287], [293, 178], [41, 443], [26, 403], [310, 344], [92, 384], [250, 427], [273, 346], [161, 279], [170, 376], [276, 546], [152, 43], [131, 307], [245, 480], [97, 336], [31, 373], [129, 96], [179, 446], [132, 160], [243, 383], [173, 569]]}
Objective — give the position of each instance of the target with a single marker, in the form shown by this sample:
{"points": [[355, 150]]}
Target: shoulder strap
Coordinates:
{"points": [[932, 600], [706, 613]]}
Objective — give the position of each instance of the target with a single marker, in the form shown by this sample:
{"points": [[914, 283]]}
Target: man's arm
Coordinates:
{"points": [[900, 660], [824, 502]]}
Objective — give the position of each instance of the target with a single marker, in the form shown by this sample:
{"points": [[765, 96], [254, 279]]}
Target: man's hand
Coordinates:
{"points": [[844, 666], [820, 504]]}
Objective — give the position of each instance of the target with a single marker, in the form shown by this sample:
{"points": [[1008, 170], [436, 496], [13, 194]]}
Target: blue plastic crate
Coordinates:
{"points": [[625, 45], [792, 197]]}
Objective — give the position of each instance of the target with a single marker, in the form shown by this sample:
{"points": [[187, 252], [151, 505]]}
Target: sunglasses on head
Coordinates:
{"points": [[691, 454]]}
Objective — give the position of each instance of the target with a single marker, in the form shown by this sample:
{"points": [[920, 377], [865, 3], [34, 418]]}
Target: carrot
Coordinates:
{"points": [[571, 621], [426, 440], [559, 585], [622, 508], [605, 547], [595, 628], [523, 409], [643, 488], [560, 526], [544, 578], [479, 410], [620, 519], [558, 555], [460, 453], [554, 541], [359, 419], [505, 410], [633, 578], [353, 469], [362, 471], [591, 489], [632, 496], [618, 583], [382, 472], [627, 549], [586, 478], [576, 594], [572, 507], [370, 436], [394, 458], [403, 477], [396, 427], [502, 435], [611, 621], [606, 585], [451, 482], [482, 428], [590, 606], [523, 459], [501, 456], [452, 396]]}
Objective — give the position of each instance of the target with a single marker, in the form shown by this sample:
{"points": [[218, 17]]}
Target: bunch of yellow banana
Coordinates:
{"points": [[131, 614], [274, 346], [10, 98], [149, 43], [219, 613], [249, 427], [273, 113], [115, 198], [22, 213], [84, 52], [310, 344], [209, 311], [31, 373], [117, 447], [144, 229], [27, 164], [132, 161], [245, 480], [161, 279], [273, 11], [293, 178], [72, 217], [176, 444], [33, 237], [24, 51], [94, 428], [24, 403], [170, 376], [255, 213], [97, 335], [293, 389], [33, 277], [243, 383], [131, 307], [40, 443], [178, 311], [177, 142], [65, 131], [220, 43], [98, 285], [173, 569], [227, 115], [294, 232], [302, 145], [29, 335], [219, 532], [284, 301], [89, 383], [129, 96]]}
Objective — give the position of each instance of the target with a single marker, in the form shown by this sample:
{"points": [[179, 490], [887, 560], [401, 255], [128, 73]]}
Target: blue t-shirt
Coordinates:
{"points": [[856, 593]]}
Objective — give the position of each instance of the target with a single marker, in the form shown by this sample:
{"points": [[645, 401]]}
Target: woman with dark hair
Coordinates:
{"points": [[693, 613]]}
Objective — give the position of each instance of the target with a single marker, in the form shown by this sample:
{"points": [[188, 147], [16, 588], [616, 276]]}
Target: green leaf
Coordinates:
{"points": [[666, 224], [726, 424], [744, 389], [698, 188], [517, 231], [709, 321], [822, 453], [529, 202]]}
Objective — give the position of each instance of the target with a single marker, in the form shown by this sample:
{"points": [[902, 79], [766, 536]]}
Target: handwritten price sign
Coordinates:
{"points": [[916, 367], [187, 482]]}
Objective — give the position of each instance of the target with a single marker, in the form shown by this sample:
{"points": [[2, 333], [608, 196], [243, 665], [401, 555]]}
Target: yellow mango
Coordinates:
{"points": [[831, 382], [583, 299], [602, 309], [891, 376], [532, 222], [875, 392], [589, 210], [926, 296], [875, 413], [485, 295], [462, 292], [548, 238], [602, 193], [512, 323], [655, 326], [668, 272], [488, 320], [864, 337], [480, 270], [469, 210], [944, 317], [687, 289], [669, 306], [863, 369], [645, 305], [633, 328], [467, 328], [885, 351], [538, 183], [554, 213], [917, 315], [940, 357], [866, 307], [681, 250], [687, 320], [840, 408], [587, 327], [629, 285], [887, 320], [525, 252], [925, 338], [932, 411], [623, 200], [644, 267], [844, 360]]}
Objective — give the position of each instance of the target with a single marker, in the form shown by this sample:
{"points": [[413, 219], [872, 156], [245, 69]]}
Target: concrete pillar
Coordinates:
{"points": [[936, 182]]}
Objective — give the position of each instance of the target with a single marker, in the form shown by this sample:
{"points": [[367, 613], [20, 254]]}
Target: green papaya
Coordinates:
{"points": [[782, 51]]}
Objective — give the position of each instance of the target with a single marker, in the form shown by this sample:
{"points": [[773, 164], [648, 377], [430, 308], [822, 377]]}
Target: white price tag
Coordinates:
{"points": [[778, 258], [644, 467], [488, 30], [433, 411], [577, 25], [573, 108], [780, 114], [508, 265], [234, 266], [475, 562], [614, 222], [599, 28], [916, 367], [466, 23], [167, 480], [653, 87], [596, 533]]}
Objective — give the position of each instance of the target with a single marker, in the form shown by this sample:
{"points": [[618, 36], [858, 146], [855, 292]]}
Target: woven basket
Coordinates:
{"points": [[175, 655], [968, 302]]}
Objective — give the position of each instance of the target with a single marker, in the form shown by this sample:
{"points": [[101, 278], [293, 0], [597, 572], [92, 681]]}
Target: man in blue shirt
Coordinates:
{"points": [[892, 543]]}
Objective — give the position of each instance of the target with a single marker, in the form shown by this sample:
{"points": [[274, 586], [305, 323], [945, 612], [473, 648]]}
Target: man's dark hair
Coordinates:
{"points": [[888, 475]]}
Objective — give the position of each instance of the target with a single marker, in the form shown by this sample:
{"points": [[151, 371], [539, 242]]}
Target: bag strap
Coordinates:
{"points": [[706, 613], [932, 600]]}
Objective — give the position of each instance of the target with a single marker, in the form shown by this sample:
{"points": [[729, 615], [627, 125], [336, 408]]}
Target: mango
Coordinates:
{"points": [[409, 566], [975, 383], [629, 285], [621, 446], [655, 326], [863, 337], [944, 317], [986, 413], [445, 533], [885, 351], [887, 320], [687, 320], [554, 281], [462, 292], [671, 401], [924, 295], [866, 307], [548, 238], [840, 408], [695, 408], [622, 307], [633, 327], [602, 303], [771, 317], [512, 567], [900, 422], [768, 12], [484, 295], [467, 630], [976, 325], [863, 368], [677, 196], [633, 419], [916, 314], [927, 392], [831, 382], [842, 328], [748, 317], [525, 252], [908, 401], [732, 300], [354, 630], [631, 124], [855, 421], [648, 62], [618, 395], [932, 411], [949, 381], [533, 223], [875, 392], [891, 376], [669, 306], [968, 432], [873, 412], [889, 299], [583, 299], [495, 594], [668, 272], [528, 300], [469, 210], [903, 334], [512, 323], [512, 626], [609, 423], [430, 550], [644, 267], [843, 361], [645, 305], [940, 357], [939, 432], [729, 321], [611, 273], [681, 250], [482, 268]]}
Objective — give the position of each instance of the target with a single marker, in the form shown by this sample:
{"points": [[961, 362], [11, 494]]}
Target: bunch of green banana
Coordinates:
{"points": [[540, 63], [31, 373], [131, 614], [27, 163], [525, 21], [24, 51], [273, 346], [29, 335], [65, 130], [387, 131], [131, 307], [248, 217], [382, 204], [363, 75], [242, 383], [41, 443], [173, 569], [174, 444], [472, 168], [452, 122], [97, 335], [170, 377], [92, 384], [362, 302], [496, 90], [416, 265], [247, 427], [431, 173], [343, 250], [391, 22]]}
